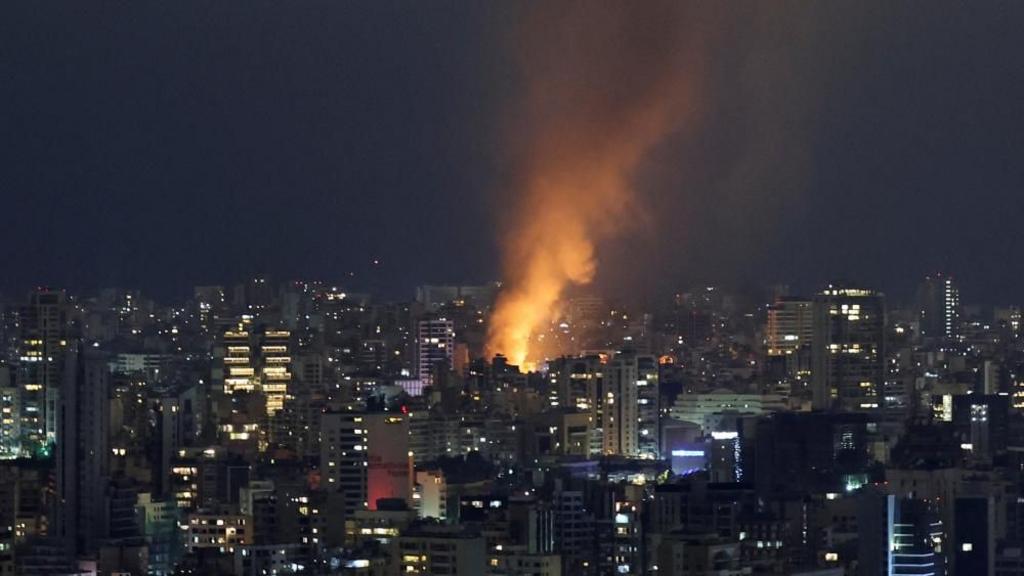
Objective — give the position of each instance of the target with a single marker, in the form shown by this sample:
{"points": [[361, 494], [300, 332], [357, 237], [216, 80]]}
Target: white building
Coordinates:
{"points": [[701, 408]]}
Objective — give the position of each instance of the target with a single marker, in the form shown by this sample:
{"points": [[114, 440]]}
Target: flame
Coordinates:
{"points": [[602, 86]]}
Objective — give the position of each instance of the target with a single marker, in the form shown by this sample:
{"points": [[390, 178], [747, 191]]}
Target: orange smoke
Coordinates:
{"points": [[604, 83]]}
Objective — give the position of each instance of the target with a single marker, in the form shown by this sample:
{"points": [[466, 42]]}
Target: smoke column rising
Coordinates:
{"points": [[603, 83]]}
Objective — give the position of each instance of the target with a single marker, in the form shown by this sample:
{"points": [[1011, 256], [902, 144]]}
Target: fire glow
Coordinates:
{"points": [[603, 85]]}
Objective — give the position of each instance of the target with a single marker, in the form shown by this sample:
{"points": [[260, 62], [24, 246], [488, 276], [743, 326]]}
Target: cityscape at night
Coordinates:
{"points": [[565, 288]]}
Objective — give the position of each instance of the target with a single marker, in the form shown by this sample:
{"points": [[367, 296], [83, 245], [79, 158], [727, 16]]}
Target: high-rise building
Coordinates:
{"points": [[158, 521], [974, 534], [900, 536], [343, 457], [82, 449], [240, 413], [254, 360], [848, 353], [724, 457], [648, 407], [275, 367], [626, 545], [803, 451], [939, 308], [789, 333], [790, 326], [620, 417], [236, 369], [982, 421], [573, 531], [578, 383], [43, 339], [388, 460], [432, 491], [435, 344], [365, 457], [10, 422]]}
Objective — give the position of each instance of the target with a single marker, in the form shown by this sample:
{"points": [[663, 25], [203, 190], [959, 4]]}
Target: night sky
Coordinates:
{"points": [[167, 144]]}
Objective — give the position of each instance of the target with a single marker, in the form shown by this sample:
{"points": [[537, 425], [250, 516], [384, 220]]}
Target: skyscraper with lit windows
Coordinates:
{"points": [[790, 325], [275, 367], [42, 342], [848, 351], [435, 341], [236, 370], [10, 423], [365, 457], [939, 308], [629, 409], [789, 333], [648, 407]]}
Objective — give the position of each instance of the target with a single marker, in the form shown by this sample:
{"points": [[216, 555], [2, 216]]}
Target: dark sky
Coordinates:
{"points": [[166, 144]]}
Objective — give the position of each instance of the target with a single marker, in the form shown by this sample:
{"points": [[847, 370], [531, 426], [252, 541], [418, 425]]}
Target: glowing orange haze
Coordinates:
{"points": [[603, 86]]}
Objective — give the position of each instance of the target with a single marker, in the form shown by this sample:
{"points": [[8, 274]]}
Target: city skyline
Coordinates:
{"points": [[511, 288]]}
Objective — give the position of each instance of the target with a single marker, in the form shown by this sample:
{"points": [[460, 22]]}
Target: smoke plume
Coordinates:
{"points": [[603, 83]]}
